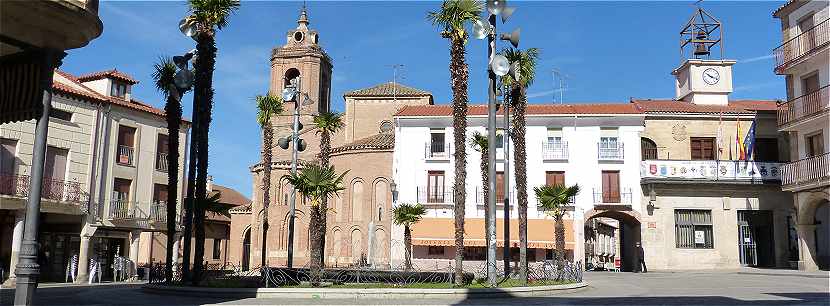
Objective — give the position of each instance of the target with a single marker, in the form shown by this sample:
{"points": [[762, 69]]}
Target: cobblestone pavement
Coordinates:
{"points": [[656, 288]]}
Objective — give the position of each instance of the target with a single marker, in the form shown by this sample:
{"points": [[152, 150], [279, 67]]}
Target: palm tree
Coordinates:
{"points": [[527, 71], [407, 214], [554, 200], [480, 143], [267, 107], [210, 16], [451, 19], [316, 182], [327, 123], [163, 76]]}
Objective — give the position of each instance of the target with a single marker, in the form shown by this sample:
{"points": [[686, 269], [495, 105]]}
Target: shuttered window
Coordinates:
{"points": [[702, 148], [7, 156], [693, 229], [610, 186], [553, 178], [499, 187]]}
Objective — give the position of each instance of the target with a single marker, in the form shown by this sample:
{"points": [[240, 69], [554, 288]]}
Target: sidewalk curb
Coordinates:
{"points": [[373, 293], [786, 274]]}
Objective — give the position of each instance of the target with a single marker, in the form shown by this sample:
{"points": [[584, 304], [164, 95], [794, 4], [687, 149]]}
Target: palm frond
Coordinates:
{"points": [[213, 205], [555, 198], [479, 141], [407, 214], [330, 122], [527, 60], [164, 71], [212, 13], [454, 15], [267, 107], [317, 182]]}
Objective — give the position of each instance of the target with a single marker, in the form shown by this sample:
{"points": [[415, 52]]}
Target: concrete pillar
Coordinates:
{"points": [[807, 247], [134, 248], [17, 241], [176, 253], [579, 238], [83, 260]]}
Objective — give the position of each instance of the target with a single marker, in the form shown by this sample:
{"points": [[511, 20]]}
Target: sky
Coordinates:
{"points": [[608, 51]]}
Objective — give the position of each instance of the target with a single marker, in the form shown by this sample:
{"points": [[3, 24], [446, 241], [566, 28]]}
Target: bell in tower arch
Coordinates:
{"points": [[700, 45]]}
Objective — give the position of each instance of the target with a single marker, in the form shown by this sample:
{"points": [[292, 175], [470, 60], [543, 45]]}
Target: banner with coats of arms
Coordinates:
{"points": [[710, 169]]}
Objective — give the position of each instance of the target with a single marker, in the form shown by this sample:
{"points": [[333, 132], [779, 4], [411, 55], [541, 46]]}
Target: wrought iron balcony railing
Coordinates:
{"points": [[801, 46], [610, 151], [161, 162], [622, 196], [432, 196], [125, 155], [808, 170], [555, 150], [125, 210], [158, 211], [437, 150], [805, 106], [57, 190]]}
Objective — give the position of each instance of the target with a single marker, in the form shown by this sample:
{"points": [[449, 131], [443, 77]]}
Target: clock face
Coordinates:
{"points": [[711, 76]]}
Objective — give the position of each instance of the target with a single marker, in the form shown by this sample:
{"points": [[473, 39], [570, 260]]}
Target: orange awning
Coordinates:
{"points": [[440, 232]]}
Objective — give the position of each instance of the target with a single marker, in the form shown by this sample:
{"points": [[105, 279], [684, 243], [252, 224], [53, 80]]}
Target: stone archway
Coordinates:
{"points": [[814, 231], [630, 234]]}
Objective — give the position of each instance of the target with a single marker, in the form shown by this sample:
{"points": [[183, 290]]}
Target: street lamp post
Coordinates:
{"points": [[506, 249], [293, 93], [28, 270]]}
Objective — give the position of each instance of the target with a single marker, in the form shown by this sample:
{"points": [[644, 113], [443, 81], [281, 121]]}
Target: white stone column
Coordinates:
{"points": [[806, 247], [83, 260], [134, 247], [176, 253], [579, 237], [17, 240]]}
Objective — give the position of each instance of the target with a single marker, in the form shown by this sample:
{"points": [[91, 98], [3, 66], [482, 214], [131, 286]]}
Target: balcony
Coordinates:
{"points": [[479, 197], [121, 210], [555, 150], [610, 151], [622, 197], [56, 24], [801, 47], [158, 211], [807, 173], [161, 162], [437, 151], [55, 190], [125, 155], [433, 199], [709, 171], [804, 107]]}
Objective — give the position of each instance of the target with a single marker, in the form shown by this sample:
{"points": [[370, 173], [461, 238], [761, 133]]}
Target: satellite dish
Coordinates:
{"points": [[500, 65]]}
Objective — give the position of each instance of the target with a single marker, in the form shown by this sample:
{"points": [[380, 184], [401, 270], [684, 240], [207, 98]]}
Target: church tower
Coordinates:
{"points": [[302, 57], [701, 77]]}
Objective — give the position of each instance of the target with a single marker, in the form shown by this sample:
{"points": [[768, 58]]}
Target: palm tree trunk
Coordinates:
{"points": [[407, 241], [485, 190], [173, 110], [325, 150], [316, 240], [459, 73], [267, 143], [520, 155], [203, 91], [189, 202], [560, 239]]}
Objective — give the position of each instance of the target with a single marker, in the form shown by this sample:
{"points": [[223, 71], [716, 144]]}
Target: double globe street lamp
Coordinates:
{"points": [[292, 93]]}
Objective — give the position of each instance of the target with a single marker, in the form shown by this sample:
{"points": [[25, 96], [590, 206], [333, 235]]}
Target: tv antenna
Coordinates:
{"points": [[395, 68], [559, 79]]}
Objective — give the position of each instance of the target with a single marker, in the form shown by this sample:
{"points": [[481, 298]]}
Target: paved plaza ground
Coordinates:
{"points": [[741, 287]]}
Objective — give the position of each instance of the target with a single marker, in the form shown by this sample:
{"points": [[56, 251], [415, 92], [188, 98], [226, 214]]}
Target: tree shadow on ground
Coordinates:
{"points": [[800, 298]]}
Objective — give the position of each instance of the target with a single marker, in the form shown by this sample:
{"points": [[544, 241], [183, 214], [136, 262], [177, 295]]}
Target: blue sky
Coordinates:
{"points": [[611, 51]]}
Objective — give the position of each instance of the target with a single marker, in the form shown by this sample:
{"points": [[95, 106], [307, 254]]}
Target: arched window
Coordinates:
{"points": [[649, 148], [357, 201], [290, 74], [386, 126]]}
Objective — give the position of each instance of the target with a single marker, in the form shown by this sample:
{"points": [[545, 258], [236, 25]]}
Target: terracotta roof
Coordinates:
{"points": [[683, 107], [230, 196], [788, 3], [384, 141], [241, 209], [387, 90], [532, 109], [115, 74]]}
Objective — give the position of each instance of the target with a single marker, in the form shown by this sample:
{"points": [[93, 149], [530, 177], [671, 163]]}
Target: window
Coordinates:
{"points": [[810, 84], [649, 148], [693, 229], [475, 253], [814, 144], [766, 149], [121, 190], [159, 193], [435, 187], [499, 186], [437, 146], [217, 248], [119, 89], [499, 139], [435, 251], [553, 178], [162, 150], [8, 147], [55, 166], [808, 38], [60, 114], [702, 148], [610, 187], [126, 142]]}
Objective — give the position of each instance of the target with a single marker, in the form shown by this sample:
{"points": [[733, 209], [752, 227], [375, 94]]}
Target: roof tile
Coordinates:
{"points": [[115, 74], [387, 90], [532, 109], [384, 141]]}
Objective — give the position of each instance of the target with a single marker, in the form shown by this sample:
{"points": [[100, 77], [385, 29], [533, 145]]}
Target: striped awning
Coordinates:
{"points": [[20, 88]]}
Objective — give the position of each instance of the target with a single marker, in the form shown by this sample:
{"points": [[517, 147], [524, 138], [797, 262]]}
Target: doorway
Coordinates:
{"points": [[629, 236], [106, 252], [755, 238], [246, 250]]}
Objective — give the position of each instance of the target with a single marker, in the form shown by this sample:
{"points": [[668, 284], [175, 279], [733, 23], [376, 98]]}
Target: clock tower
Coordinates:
{"points": [[702, 78]]}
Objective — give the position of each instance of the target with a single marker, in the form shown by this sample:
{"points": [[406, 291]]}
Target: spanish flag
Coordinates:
{"points": [[740, 144]]}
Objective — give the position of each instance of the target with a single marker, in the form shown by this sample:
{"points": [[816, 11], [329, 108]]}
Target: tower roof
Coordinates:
{"points": [[388, 90], [302, 22]]}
